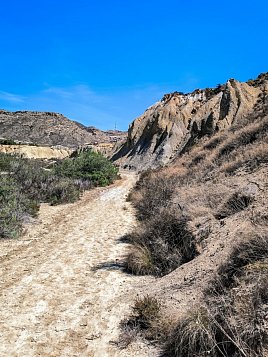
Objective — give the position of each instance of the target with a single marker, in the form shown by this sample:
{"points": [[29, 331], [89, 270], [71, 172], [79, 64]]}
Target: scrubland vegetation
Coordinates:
{"points": [[216, 189], [25, 183], [232, 321], [7, 142]]}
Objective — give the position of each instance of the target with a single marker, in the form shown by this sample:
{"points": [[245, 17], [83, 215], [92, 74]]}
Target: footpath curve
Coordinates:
{"points": [[53, 302]]}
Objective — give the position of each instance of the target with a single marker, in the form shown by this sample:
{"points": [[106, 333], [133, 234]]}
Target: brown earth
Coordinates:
{"points": [[51, 129], [53, 300]]}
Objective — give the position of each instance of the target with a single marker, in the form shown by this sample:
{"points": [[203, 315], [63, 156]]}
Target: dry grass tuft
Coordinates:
{"points": [[236, 203], [139, 260], [161, 245], [154, 193], [243, 255], [145, 311], [194, 335], [146, 320], [233, 321], [245, 136]]}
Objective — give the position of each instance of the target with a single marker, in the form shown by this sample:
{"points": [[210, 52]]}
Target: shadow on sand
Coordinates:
{"points": [[115, 264]]}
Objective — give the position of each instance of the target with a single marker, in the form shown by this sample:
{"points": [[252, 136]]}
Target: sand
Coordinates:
{"points": [[54, 302]]}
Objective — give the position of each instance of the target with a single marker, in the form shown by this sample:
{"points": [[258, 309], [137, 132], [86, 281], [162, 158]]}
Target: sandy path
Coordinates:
{"points": [[52, 302]]}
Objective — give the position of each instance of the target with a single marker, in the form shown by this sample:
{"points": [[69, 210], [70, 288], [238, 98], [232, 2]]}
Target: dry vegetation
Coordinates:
{"points": [[184, 211], [233, 318]]}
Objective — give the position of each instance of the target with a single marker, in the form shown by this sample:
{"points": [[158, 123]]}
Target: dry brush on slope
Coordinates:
{"points": [[233, 319], [219, 190]]}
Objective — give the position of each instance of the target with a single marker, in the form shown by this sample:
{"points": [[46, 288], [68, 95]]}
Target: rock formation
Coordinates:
{"points": [[173, 124], [36, 152]]}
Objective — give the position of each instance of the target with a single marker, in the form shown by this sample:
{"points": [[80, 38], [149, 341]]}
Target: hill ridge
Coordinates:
{"points": [[51, 129], [173, 124]]}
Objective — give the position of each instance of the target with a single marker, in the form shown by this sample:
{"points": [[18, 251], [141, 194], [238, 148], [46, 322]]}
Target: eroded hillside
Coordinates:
{"points": [[202, 232], [174, 124]]}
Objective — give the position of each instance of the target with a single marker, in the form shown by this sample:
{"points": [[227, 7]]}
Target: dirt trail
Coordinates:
{"points": [[53, 303]]}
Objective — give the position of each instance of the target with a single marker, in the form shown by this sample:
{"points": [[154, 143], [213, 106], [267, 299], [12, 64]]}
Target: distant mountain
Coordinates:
{"points": [[51, 129], [172, 125]]}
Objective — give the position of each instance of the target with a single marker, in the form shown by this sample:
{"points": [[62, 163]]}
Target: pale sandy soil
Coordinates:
{"points": [[52, 302], [36, 152]]}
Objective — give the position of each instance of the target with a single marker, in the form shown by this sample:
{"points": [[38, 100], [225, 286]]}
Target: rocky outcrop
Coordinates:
{"points": [[47, 128], [173, 124], [36, 152]]}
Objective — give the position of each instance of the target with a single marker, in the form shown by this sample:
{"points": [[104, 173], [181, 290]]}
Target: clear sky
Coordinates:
{"points": [[106, 61]]}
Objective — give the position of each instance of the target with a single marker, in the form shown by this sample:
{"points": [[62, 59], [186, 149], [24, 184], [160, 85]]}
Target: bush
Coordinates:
{"points": [[151, 194], [25, 183], [161, 245], [6, 161], [7, 142], [90, 166], [162, 241], [15, 206], [63, 191]]}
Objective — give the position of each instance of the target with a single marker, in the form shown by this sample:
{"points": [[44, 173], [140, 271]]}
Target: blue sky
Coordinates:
{"points": [[101, 62]]}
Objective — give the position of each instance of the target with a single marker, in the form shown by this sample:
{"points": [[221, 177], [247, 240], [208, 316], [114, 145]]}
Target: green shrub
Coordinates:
{"points": [[24, 183], [7, 142], [90, 166], [15, 206], [63, 191], [6, 160]]}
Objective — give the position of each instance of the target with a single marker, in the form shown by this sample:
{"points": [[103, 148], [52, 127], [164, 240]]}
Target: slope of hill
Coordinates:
{"points": [[202, 231], [172, 125], [46, 128]]}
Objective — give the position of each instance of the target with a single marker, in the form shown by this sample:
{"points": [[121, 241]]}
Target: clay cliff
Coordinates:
{"points": [[36, 152], [51, 129], [177, 121]]}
